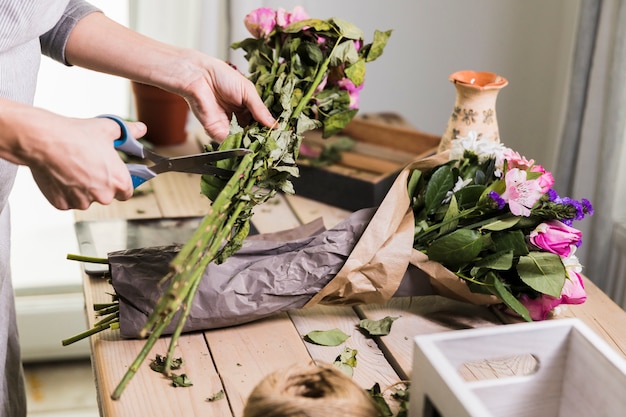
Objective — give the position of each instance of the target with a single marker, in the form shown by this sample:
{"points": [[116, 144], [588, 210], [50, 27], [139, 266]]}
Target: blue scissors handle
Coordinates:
{"points": [[129, 145], [126, 142], [195, 164]]}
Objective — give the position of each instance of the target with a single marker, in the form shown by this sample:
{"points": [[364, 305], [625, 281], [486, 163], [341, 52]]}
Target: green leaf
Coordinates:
{"points": [[468, 196], [335, 123], [311, 53], [333, 337], [158, 363], [502, 261], [316, 24], [344, 53], [347, 29], [414, 178], [499, 290], [181, 380], [378, 398], [503, 224], [356, 72], [346, 361], [451, 213], [542, 271], [457, 248], [438, 186], [380, 327], [378, 45], [217, 396], [510, 240]]}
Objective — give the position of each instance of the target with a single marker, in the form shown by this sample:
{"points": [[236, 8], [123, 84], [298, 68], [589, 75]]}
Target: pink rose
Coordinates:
{"points": [[539, 307], [556, 237], [298, 14], [546, 180], [573, 291], [284, 18], [260, 22]]}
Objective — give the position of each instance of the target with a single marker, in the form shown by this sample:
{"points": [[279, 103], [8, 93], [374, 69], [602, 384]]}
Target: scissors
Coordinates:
{"points": [[194, 164]]}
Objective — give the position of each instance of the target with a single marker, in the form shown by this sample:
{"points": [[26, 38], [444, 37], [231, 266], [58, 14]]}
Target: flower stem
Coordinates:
{"points": [[321, 72]]}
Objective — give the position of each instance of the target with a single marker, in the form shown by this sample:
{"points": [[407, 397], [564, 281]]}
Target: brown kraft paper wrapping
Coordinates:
{"points": [[379, 261]]}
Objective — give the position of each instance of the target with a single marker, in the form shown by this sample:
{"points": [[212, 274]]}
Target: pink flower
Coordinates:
{"points": [[298, 14], [347, 85], [515, 160], [573, 291], [539, 307], [260, 22], [284, 18], [546, 180], [521, 194], [556, 237]]}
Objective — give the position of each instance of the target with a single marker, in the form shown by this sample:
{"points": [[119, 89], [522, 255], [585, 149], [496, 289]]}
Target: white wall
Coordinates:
{"points": [[528, 42]]}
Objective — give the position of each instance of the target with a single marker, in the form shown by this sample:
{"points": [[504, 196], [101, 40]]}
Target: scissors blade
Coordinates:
{"points": [[198, 163]]}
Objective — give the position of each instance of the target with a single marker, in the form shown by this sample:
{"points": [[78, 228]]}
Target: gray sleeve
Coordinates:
{"points": [[53, 42]]}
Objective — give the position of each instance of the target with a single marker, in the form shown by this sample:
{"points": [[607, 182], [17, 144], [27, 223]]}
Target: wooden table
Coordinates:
{"points": [[235, 359]]}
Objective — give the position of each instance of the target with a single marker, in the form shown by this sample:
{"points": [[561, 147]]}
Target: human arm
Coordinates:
{"points": [[212, 88], [72, 160]]}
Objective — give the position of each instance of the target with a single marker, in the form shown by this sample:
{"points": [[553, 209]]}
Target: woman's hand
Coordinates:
{"points": [[73, 161], [215, 91]]}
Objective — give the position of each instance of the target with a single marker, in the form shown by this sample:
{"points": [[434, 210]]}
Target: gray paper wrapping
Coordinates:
{"points": [[269, 274]]}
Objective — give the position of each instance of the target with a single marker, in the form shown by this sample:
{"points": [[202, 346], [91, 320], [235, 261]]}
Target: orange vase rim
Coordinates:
{"points": [[479, 79]]}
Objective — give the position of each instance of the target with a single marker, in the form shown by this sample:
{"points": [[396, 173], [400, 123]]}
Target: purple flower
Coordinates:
{"points": [[500, 203], [587, 207], [552, 195]]}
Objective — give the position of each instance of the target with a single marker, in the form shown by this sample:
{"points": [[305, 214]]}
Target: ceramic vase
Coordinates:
{"points": [[474, 106], [164, 113]]}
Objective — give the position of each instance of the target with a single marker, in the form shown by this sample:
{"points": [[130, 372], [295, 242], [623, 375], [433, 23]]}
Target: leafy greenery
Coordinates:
{"points": [[301, 72], [333, 337], [380, 327]]}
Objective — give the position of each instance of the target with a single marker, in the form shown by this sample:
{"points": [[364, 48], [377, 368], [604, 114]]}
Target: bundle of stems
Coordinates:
{"points": [[309, 73]]}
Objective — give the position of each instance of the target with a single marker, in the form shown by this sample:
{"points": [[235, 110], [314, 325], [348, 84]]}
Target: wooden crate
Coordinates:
{"points": [[384, 144], [574, 372]]}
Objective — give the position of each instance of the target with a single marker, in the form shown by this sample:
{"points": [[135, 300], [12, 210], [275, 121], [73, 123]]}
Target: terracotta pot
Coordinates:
{"points": [[474, 107], [163, 112]]}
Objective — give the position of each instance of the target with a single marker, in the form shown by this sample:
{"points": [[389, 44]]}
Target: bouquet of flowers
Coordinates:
{"points": [[491, 217], [309, 72]]}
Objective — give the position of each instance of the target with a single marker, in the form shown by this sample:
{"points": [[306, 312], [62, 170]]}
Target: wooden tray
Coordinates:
{"points": [[385, 143]]}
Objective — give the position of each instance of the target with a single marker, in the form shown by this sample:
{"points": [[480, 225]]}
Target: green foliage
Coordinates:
{"points": [[333, 337]]}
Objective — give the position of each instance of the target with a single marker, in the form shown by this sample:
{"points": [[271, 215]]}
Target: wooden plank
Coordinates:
{"points": [[151, 394], [369, 163], [247, 353], [178, 195], [148, 393], [422, 315], [372, 367], [274, 215], [308, 210]]}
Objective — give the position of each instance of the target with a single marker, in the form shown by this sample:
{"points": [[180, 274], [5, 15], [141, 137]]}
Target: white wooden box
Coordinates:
{"points": [[574, 372]]}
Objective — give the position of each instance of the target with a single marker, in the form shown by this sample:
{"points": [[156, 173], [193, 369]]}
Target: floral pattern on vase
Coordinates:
{"points": [[474, 107]]}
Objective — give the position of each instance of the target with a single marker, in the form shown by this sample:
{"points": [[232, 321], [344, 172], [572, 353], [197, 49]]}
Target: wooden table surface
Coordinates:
{"points": [[235, 359]]}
